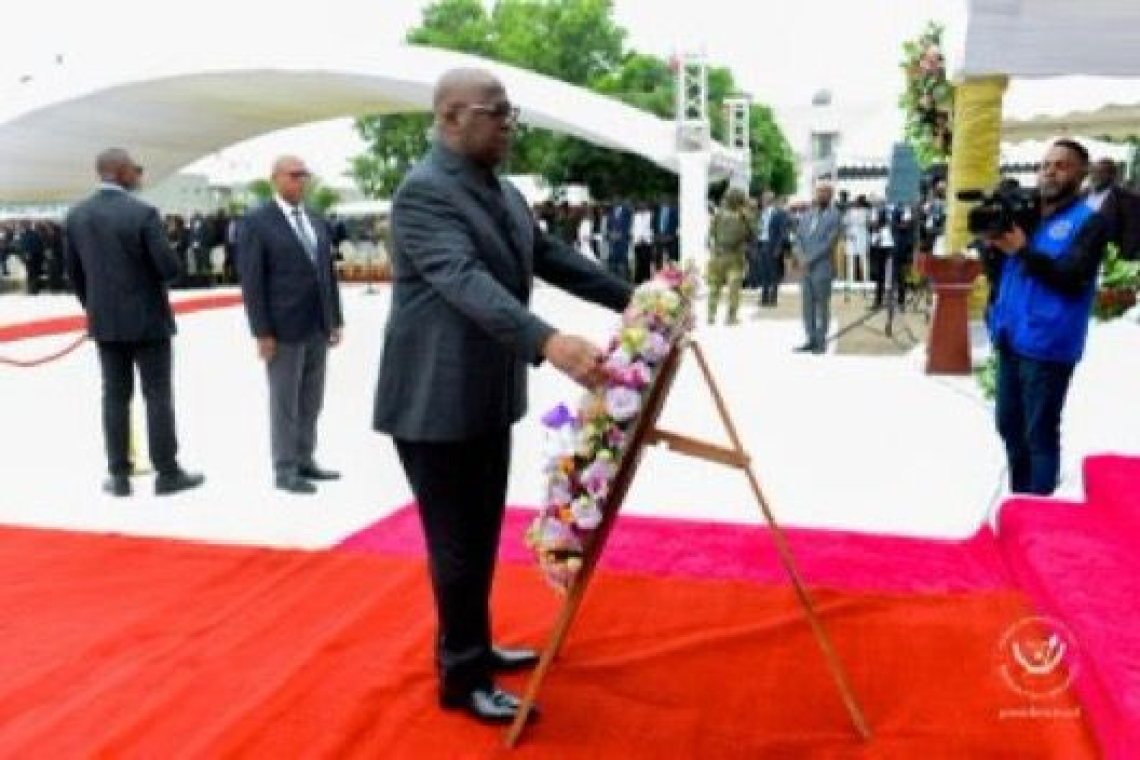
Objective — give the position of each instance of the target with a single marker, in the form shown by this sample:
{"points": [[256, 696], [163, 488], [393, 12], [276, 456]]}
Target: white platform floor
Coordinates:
{"points": [[860, 443]]}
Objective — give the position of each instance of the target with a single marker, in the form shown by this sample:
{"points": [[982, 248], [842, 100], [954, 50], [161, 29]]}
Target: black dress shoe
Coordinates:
{"points": [[489, 704], [809, 346], [294, 484], [312, 472], [117, 485], [179, 480], [505, 660]]}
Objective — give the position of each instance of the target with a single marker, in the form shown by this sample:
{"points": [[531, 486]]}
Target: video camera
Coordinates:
{"points": [[1007, 205]]}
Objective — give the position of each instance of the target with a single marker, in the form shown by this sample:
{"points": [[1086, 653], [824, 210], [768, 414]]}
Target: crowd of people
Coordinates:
{"points": [[38, 244]]}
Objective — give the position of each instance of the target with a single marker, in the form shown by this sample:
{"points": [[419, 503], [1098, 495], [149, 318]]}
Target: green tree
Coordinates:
{"points": [[576, 41], [260, 189], [317, 194]]}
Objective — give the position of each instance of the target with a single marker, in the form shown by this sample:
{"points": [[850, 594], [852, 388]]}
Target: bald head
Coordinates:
{"points": [[116, 166], [462, 86], [288, 178], [473, 116]]}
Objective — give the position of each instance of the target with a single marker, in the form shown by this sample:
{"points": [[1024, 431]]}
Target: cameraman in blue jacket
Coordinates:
{"points": [[1044, 282]]}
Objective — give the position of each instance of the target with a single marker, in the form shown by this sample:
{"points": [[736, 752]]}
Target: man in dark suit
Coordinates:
{"points": [[666, 223], [119, 263], [905, 225], [619, 227], [453, 376], [288, 283], [31, 245], [771, 236], [1119, 207]]}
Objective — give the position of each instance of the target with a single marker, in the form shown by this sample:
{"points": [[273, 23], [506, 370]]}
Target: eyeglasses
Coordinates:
{"points": [[503, 110], [298, 174]]}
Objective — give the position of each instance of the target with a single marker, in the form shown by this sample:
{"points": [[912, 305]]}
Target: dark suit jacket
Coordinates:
{"points": [[465, 251], [1121, 212], [119, 263], [778, 229], [905, 234], [286, 295], [672, 222]]}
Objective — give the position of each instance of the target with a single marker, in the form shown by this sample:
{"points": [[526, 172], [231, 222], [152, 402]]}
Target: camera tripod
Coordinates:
{"points": [[918, 300]]}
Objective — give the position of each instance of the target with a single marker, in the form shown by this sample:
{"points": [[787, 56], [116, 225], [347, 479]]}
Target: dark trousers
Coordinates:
{"points": [[296, 395], [667, 249], [770, 272], [460, 487], [880, 257], [618, 259], [642, 262], [1030, 399], [154, 360]]}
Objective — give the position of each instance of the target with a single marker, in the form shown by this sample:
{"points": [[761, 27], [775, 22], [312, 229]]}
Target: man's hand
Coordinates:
{"points": [[576, 357], [267, 348], [336, 337], [1009, 242]]}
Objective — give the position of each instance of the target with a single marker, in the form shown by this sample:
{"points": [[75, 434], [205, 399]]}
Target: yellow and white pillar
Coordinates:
{"points": [[976, 155]]}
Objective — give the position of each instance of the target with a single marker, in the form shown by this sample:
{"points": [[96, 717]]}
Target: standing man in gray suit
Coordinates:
{"points": [[288, 283], [120, 263], [816, 237], [453, 375]]}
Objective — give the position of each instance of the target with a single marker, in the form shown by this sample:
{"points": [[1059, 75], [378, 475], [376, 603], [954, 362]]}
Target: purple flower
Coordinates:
{"points": [[622, 403], [597, 477], [587, 515], [657, 348], [558, 417]]}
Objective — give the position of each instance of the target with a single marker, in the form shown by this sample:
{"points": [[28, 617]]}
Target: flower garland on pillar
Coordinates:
{"points": [[928, 97]]}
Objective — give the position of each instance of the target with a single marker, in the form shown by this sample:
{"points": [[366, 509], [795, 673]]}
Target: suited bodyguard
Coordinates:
{"points": [[292, 301], [120, 264], [453, 376]]}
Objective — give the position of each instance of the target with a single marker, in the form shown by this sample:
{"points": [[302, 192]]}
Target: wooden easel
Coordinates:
{"points": [[646, 433]]}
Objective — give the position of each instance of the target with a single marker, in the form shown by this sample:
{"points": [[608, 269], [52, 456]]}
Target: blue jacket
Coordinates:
{"points": [[1044, 293]]}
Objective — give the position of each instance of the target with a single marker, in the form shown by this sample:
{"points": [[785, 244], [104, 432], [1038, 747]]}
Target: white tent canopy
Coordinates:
{"points": [[174, 111], [1044, 38]]}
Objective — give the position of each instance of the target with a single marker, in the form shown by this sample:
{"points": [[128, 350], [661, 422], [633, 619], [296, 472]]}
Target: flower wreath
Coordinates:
{"points": [[583, 449]]}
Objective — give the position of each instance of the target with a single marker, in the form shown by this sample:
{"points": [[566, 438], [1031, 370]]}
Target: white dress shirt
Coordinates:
{"points": [[287, 209]]}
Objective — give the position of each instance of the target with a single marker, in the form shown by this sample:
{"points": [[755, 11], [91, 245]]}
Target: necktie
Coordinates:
{"points": [[303, 233]]}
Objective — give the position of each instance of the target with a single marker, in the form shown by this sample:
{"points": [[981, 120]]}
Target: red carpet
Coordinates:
{"points": [[131, 648], [733, 551], [1079, 563], [76, 322]]}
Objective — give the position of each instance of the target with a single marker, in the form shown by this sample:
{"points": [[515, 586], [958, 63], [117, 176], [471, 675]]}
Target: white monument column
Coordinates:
{"points": [[694, 174], [693, 157]]}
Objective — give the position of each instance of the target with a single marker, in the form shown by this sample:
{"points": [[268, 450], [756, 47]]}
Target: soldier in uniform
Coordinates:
{"points": [[730, 233]]}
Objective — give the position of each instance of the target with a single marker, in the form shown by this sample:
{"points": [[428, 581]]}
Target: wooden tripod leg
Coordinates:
{"points": [[786, 559], [558, 634]]}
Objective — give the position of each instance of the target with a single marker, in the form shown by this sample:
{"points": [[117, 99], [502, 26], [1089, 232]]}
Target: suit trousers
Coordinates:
{"points": [[770, 271], [154, 360], [296, 394], [460, 487], [815, 287]]}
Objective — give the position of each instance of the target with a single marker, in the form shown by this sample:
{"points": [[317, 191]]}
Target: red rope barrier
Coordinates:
{"points": [[25, 363]]}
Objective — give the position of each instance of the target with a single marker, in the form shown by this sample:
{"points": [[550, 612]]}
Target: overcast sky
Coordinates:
{"points": [[781, 51]]}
